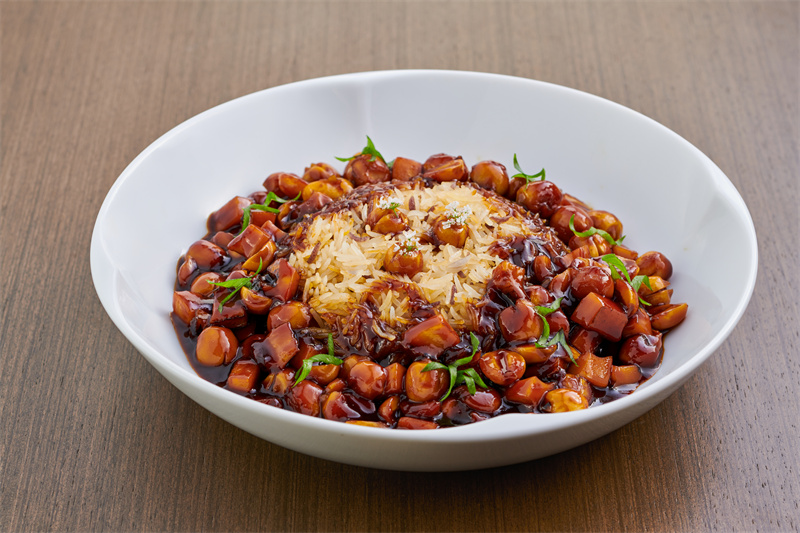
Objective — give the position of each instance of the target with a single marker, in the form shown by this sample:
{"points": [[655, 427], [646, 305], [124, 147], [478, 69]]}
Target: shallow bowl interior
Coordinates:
{"points": [[669, 195]]}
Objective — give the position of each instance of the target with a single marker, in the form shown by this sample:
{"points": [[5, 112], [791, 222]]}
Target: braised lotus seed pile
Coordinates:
{"points": [[420, 295]]}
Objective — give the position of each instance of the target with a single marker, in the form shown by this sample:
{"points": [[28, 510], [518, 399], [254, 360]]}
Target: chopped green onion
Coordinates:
{"points": [[543, 311], [476, 344], [618, 271], [236, 284], [545, 341], [271, 196], [637, 281], [434, 365], [592, 231], [369, 150], [562, 340], [528, 177], [463, 378], [463, 361], [451, 369], [558, 338], [308, 363], [327, 358], [242, 282], [468, 376]]}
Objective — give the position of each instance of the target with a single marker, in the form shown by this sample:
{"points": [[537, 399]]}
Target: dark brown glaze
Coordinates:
{"points": [[383, 354]]}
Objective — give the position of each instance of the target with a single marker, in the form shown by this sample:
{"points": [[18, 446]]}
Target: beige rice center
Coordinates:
{"points": [[341, 258]]}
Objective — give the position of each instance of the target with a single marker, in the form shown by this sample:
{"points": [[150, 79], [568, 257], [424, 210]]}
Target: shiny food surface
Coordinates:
{"points": [[418, 297], [92, 437]]}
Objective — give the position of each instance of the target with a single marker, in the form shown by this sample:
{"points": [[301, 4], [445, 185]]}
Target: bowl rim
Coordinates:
{"points": [[104, 275]]}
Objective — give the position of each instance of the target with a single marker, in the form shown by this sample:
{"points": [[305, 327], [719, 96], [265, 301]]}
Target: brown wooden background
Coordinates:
{"points": [[93, 438]]}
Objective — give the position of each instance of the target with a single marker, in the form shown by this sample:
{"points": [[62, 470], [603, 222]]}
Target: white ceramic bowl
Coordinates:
{"points": [[669, 195]]}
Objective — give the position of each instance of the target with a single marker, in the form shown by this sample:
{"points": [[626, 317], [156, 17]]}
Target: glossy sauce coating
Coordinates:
{"points": [[254, 338]]}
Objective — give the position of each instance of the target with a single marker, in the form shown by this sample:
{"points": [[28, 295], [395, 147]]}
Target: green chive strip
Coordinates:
{"points": [[528, 177], [327, 358], [271, 196], [593, 231], [468, 376], [369, 150], [618, 271]]}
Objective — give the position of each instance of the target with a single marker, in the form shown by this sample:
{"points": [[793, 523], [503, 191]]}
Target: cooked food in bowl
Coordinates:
{"points": [[420, 295]]}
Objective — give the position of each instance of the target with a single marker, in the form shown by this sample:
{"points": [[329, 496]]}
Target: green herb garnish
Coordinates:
{"points": [[434, 365], [407, 242], [618, 271], [476, 344], [543, 311], [467, 376], [271, 197], [637, 281], [559, 338], [389, 203], [594, 231], [528, 177], [236, 284], [327, 358], [369, 150]]}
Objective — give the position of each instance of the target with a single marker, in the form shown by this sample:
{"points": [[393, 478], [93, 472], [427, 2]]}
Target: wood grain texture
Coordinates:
{"points": [[93, 438]]}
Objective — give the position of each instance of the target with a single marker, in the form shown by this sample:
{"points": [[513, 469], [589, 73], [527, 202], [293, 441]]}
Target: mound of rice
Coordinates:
{"points": [[340, 258]]}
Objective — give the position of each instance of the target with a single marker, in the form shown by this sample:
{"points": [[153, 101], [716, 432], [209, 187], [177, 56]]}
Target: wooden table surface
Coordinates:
{"points": [[93, 438]]}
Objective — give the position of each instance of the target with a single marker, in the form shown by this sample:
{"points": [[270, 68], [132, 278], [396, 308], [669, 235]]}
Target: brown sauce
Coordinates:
{"points": [[367, 336]]}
